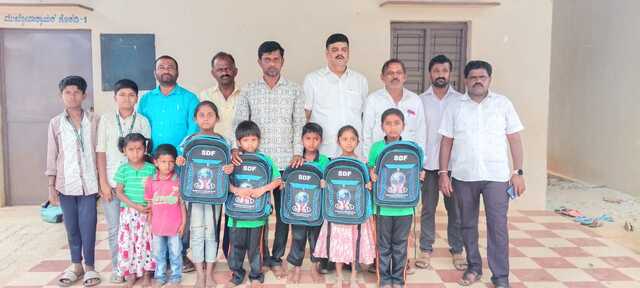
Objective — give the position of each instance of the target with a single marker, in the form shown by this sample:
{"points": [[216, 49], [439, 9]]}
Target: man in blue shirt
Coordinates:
{"points": [[170, 110], [169, 107]]}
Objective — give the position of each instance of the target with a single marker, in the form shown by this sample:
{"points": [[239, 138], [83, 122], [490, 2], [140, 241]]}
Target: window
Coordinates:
{"points": [[415, 43]]}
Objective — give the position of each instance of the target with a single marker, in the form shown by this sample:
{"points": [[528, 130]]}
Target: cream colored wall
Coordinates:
{"points": [[594, 128], [514, 37]]}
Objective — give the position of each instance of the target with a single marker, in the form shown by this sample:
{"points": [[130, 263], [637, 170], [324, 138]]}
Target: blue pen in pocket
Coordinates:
{"points": [[511, 192]]}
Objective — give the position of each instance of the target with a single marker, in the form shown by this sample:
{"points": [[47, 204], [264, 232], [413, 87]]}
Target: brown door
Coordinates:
{"points": [[33, 62]]}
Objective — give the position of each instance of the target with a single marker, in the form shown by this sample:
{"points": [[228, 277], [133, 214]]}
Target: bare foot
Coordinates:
{"points": [[354, 281], [315, 273], [146, 280], [295, 276], [255, 284], [158, 284], [230, 285], [338, 283], [130, 281]]}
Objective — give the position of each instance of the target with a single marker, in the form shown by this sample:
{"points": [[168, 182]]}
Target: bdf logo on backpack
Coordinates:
{"points": [[304, 177], [208, 152], [400, 157], [249, 168], [343, 173]]}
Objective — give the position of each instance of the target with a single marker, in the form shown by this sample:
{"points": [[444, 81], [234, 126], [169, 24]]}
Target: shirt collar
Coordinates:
{"points": [[156, 177], [466, 96], [315, 159], [281, 81], [173, 91], [236, 90], [388, 95], [83, 115], [326, 72], [430, 92], [387, 142]]}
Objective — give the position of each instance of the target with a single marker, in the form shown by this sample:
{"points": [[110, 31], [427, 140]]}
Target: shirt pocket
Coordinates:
{"points": [[353, 100]]}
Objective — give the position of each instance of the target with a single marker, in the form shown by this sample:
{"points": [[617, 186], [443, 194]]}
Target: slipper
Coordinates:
{"points": [[584, 220], [469, 277], [91, 278], [68, 278], [459, 261], [568, 212], [424, 261]]}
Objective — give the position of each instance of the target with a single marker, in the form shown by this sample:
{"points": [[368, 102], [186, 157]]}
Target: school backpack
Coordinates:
{"points": [[346, 200], [202, 179], [398, 168], [253, 172], [301, 201]]}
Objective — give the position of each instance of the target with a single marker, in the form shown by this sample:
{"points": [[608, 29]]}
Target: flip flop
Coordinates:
{"points": [[90, 279], [459, 261], [424, 261], [469, 277], [569, 212], [68, 278]]}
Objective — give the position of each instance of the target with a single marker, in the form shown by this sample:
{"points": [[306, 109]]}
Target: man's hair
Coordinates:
{"points": [[389, 112], [386, 64], [477, 64], [165, 149], [247, 128], [311, 127], [165, 57], [440, 59], [225, 56], [268, 47], [335, 38], [73, 80], [124, 84]]}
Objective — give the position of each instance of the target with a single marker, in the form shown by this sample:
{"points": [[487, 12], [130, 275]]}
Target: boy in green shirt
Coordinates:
{"points": [[311, 140], [246, 235], [392, 223]]}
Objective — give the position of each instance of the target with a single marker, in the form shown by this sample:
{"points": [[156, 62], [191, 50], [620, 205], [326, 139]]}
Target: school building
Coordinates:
{"points": [[42, 41]]}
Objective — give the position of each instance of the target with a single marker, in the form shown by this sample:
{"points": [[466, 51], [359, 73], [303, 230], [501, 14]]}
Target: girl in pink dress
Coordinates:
{"points": [[344, 237]]}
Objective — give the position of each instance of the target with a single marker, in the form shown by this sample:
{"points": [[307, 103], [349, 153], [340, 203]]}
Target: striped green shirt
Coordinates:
{"points": [[133, 181]]}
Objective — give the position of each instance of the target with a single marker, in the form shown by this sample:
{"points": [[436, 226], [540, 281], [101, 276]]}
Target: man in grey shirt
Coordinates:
{"points": [[277, 106]]}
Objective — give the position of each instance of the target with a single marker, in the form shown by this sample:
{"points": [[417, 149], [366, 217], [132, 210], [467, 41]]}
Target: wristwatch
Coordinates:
{"points": [[518, 172]]}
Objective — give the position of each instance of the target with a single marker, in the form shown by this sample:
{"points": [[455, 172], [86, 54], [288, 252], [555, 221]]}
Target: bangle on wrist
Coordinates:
{"points": [[441, 172]]}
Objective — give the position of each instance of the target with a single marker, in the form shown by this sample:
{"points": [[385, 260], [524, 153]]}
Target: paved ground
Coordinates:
{"points": [[547, 251]]}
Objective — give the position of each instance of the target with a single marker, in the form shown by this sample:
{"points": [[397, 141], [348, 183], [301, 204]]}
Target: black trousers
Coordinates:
{"points": [[393, 234], [245, 241], [301, 235]]}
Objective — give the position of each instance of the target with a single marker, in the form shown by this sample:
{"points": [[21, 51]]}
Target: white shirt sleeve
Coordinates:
{"points": [[368, 124], [447, 123], [513, 121]]}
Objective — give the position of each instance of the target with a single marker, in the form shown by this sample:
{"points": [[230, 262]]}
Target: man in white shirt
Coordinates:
{"points": [[476, 130], [335, 94], [435, 100], [393, 95]]}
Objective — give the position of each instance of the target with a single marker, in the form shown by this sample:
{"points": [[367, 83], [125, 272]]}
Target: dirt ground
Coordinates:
{"points": [[594, 201]]}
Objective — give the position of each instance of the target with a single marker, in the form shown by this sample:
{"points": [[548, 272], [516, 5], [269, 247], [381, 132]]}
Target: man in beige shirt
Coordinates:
{"points": [[223, 69]]}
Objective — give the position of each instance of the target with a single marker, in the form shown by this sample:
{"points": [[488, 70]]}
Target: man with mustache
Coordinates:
{"points": [[393, 95], [475, 132], [335, 94], [439, 95], [225, 93], [277, 106], [170, 110]]}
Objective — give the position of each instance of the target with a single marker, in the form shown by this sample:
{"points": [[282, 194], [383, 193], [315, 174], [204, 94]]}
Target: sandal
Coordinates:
{"points": [[568, 212], [469, 277], [91, 278], [459, 261], [424, 261], [116, 279], [68, 278]]}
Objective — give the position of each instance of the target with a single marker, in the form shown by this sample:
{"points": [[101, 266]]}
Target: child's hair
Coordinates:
{"points": [[135, 137], [125, 84], [392, 111], [348, 128], [312, 127], [207, 103], [247, 128], [73, 80], [165, 149]]}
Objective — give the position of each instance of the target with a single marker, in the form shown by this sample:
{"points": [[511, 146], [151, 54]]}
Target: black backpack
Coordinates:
{"points": [[398, 168], [202, 179], [301, 201], [253, 172], [346, 200]]}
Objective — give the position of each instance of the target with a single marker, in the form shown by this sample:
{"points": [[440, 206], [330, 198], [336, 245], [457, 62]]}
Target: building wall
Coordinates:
{"points": [[594, 126], [514, 36]]}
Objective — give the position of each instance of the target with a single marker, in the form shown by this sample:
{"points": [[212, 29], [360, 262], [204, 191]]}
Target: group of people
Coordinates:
{"points": [[127, 158]]}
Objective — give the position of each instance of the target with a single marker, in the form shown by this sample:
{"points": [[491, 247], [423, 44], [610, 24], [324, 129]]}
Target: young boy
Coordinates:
{"points": [[72, 179], [112, 127], [245, 235], [311, 140], [392, 224], [168, 219]]}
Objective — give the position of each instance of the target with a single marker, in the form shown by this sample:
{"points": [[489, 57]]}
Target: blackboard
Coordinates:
{"points": [[128, 56]]}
